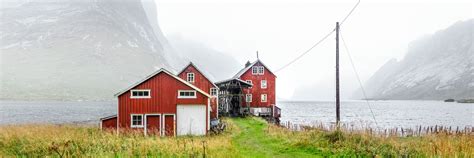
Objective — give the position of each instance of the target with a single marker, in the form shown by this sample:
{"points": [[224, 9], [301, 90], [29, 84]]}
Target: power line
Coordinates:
{"points": [[358, 78], [320, 41], [352, 10], [306, 52]]}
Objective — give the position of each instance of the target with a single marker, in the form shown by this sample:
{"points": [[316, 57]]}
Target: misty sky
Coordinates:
{"points": [[281, 30]]}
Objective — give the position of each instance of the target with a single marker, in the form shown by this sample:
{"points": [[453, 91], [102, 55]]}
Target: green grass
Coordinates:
{"points": [[245, 137], [253, 141]]}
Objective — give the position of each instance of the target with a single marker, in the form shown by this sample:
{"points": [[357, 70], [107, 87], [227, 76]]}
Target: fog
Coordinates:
{"points": [[376, 32]]}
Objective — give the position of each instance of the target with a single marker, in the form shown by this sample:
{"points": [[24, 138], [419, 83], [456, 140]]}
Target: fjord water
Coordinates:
{"points": [[55, 112], [389, 114]]}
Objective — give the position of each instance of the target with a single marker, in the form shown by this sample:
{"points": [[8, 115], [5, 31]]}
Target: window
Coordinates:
{"points": [[257, 70], [213, 91], [260, 70], [140, 93], [264, 98], [249, 81], [263, 84], [186, 94], [254, 70], [248, 98], [190, 77], [137, 120]]}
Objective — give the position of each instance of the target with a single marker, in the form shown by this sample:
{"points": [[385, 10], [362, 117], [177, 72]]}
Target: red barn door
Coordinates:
{"points": [[153, 125], [169, 125]]}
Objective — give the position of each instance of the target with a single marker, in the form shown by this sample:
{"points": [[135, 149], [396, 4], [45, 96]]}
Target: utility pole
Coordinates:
{"points": [[338, 102]]}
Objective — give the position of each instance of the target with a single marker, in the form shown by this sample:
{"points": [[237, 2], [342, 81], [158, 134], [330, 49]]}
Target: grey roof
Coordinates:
{"points": [[202, 72], [220, 82], [167, 72], [241, 72], [108, 117]]}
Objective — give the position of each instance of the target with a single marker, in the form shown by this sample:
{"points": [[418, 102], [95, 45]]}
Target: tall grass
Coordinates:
{"points": [[87, 141], [69, 140], [367, 142]]}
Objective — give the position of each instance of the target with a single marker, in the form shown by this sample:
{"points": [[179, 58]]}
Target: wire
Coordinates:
{"points": [[320, 41], [358, 79], [353, 8], [306, 52]]}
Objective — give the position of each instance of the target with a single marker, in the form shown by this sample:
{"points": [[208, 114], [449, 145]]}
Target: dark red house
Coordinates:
{"points": [[261, 96], [162, 104], [196, 77], [250, 91]]}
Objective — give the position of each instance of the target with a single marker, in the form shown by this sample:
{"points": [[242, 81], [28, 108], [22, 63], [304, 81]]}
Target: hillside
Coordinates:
{"points": [[84, 49], [437, 66]]}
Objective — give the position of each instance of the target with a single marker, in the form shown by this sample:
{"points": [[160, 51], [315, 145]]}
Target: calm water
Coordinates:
{"points": [[20, 112], [387, 113]]}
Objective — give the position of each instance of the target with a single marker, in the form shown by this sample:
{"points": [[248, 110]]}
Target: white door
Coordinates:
{"points": [[191, 120]]}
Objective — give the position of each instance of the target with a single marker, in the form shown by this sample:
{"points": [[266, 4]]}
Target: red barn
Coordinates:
{"points": [[261, 96], [195, 76], [163, 104]]}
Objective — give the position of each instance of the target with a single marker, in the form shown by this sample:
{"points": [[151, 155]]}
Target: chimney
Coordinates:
{"points": [[247, 64]]}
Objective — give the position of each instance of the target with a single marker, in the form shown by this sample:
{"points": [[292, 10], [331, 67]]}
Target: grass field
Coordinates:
{"points": [[245, 137]]}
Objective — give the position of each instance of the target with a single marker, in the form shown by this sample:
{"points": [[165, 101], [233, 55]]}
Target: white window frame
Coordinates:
{"points": [[249, 81], [216, 92], [264, 98], [262, 85], [261, 68], [136, 126], [187, 97], [190, 76], [248, 98], [140, 90], [254, 70]]}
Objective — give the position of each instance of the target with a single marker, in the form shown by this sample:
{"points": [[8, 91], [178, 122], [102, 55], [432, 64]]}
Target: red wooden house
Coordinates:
{"points": [[251, 90], [195, 76], [261, 96], [162, 104]]}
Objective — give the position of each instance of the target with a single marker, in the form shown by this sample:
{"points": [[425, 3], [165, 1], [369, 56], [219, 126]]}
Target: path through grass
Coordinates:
{"points": [[253, 141]]}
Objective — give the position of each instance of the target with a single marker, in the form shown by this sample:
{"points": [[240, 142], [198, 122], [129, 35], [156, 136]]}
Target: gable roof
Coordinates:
{"points": [[205, 76], [158, 72], [241, 72]]}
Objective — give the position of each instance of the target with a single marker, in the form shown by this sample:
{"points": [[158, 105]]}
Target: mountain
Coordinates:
{"points": [[76, 49], [217, 65], [437, 67], [88, 49]]}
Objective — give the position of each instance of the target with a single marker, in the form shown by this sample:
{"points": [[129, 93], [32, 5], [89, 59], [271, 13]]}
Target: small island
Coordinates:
{"points": [[465, 101]]}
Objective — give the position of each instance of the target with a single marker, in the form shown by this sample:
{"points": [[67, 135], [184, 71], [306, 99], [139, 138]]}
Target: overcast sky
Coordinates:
{"points": [[376, 32]]}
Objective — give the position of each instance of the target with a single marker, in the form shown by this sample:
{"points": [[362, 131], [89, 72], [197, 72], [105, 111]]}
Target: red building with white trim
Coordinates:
{"points": [[162, 104], [195, 76], [261, 96], [251, 90]]}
